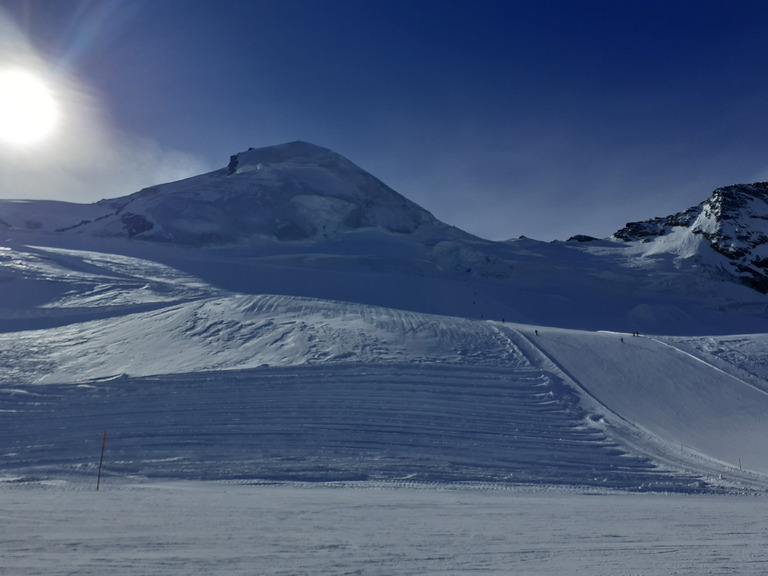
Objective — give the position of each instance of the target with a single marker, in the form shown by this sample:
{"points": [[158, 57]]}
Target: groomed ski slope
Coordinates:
{"points": [[665, 393], [354, 422], [193, 381], [297, 389]]}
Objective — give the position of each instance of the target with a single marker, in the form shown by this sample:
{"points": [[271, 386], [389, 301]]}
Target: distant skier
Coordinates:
{"points": [[622, 339], [537, 332]]}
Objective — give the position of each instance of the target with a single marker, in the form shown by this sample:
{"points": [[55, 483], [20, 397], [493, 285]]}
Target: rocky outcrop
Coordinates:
{"points": [[733, 220]]}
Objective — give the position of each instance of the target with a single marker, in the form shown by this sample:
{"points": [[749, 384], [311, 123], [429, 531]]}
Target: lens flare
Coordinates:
{"points": [[28, 110]]}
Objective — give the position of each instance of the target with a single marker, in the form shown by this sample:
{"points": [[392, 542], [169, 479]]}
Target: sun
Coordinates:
{"points": [[28, 110]]}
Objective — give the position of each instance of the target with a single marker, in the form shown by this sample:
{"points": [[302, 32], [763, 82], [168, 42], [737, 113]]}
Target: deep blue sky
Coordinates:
{"points": [[504, 118]]}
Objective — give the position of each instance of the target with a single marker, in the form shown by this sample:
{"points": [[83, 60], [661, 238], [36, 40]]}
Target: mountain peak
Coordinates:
{"points": [[298, 151], [295, 191], [738, 200], [734, 222]]}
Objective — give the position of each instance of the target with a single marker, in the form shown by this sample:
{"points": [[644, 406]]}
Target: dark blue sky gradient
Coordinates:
{"points": [[505, 118]]}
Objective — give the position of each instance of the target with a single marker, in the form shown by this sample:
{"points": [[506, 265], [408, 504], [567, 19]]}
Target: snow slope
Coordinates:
{"points": [[321, 328], [663, 390], [196, 382]]}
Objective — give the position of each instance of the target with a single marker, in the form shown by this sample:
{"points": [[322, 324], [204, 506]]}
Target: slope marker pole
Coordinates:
{"points": [[103, 443]]}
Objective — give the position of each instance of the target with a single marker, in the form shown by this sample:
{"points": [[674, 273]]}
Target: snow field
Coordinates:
{"points": [[344, 422], [171, 529], [208, 384], [193, 381]]}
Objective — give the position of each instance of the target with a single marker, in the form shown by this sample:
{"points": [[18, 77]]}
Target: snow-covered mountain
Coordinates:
{"points": [[280, 219], [291, 317], [293, 192], [733, 222]]}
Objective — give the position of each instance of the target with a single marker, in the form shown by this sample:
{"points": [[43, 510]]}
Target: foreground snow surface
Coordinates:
{"points": [[185, 528]]}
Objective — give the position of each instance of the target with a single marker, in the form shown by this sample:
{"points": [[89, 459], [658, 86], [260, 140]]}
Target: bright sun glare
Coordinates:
{"points": [[27, 108]]}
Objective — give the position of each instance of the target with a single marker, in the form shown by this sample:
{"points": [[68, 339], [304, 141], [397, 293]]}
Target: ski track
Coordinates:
{"points": [[618, 379], [354, 422], [296, 389], [711, 365]]}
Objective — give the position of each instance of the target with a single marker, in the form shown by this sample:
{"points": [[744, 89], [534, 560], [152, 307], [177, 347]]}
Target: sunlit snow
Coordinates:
{"points": [[300, 371]]}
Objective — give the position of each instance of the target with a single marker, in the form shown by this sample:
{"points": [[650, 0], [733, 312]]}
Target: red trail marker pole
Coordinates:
{"points": [[103, 443]]}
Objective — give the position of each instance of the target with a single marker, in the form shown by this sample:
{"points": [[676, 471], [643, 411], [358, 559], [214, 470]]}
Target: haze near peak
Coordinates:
{"points": [[504, 119]]}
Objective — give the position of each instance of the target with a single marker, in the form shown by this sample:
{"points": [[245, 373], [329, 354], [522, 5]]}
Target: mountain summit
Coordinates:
{"points": [[291, 192], [734, 223], [298, 219]]}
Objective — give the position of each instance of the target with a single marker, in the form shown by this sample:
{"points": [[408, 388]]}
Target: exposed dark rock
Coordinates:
{"points": [[581, 238], [135, 224], [734, 220], [232, 166]]}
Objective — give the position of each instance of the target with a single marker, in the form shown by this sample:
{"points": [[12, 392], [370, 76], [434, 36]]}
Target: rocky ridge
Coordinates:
{"points": [[734, 222]]}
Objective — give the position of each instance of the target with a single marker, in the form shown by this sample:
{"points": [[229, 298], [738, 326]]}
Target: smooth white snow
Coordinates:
{"points": [[174, 529]]}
